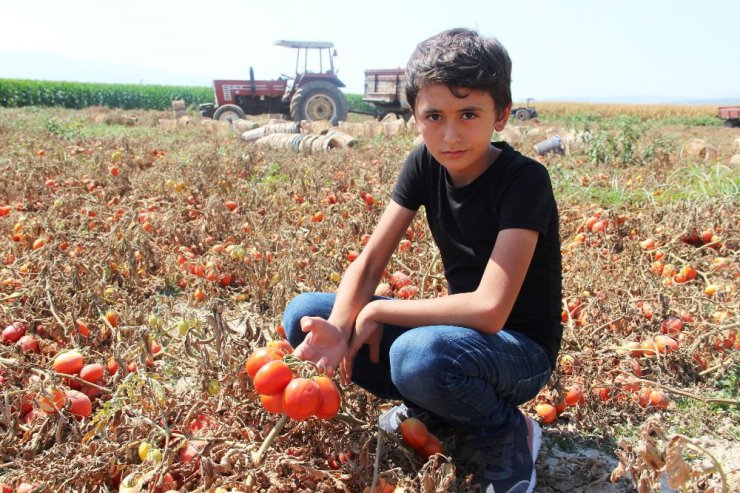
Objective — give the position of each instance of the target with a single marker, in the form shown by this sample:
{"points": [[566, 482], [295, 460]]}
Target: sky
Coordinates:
{"points": [[576, 50]]}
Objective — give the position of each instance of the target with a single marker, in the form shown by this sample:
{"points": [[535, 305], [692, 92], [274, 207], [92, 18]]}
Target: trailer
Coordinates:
{"points": [[730, 114], [384, 89]]}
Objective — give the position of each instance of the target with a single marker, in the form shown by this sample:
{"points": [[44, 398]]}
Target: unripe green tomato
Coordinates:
{"points": [[153, 320], [182, 327], [144, 449], [214, 387], [154, 455]]}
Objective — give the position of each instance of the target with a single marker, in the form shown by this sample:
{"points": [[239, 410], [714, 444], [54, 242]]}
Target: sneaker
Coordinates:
{"points": [[390, 420], [507, 464]]}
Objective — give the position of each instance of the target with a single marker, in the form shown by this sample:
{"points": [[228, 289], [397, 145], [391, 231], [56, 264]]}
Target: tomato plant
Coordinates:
{"points": [[302, 398]]}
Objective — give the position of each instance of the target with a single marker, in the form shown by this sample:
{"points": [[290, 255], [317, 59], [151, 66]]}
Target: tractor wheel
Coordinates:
{"points": [[228, 113], [521, 115], [318, 100]]}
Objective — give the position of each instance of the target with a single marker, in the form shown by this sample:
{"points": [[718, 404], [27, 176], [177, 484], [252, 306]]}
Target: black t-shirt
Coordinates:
{"points": [[514, 192]]}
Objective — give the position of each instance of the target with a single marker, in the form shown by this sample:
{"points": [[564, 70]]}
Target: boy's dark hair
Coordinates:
{"points": [[460, 59]]}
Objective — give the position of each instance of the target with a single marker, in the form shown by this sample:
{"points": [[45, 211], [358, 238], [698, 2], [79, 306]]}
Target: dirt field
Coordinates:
{"points": [[166, 258]]}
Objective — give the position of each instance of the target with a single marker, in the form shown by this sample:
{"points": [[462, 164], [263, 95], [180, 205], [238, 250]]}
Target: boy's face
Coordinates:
{"points": [[457, 131]]}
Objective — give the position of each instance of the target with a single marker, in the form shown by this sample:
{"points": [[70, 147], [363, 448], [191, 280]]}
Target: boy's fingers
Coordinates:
{"points": [[346, 370], [306, 324], [324, 363]]}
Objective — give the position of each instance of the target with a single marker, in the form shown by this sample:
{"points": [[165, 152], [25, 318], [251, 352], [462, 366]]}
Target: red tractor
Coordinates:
{"points": [[310, 95]]}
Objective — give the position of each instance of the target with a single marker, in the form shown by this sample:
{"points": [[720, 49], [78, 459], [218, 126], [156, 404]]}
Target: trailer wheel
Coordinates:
{"points": [[318, 100], [228, 113], [521, 115]]}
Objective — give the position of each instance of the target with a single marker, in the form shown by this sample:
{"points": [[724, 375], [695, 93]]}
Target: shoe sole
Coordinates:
{"points": [[535, 432]]}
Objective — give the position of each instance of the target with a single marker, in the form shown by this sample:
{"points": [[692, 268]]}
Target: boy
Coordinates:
{"points": [[468, 359]]}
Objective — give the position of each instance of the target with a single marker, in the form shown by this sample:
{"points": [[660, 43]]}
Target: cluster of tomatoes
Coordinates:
{"points": [[416, 435], [289, 386]]}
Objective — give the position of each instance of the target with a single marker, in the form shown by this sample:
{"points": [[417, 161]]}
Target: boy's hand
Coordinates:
{"points": [[367, 331], [324, 344]]}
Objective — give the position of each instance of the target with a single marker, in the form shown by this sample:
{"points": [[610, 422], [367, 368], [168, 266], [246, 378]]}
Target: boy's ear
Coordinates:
{"points": [[503, 118]]}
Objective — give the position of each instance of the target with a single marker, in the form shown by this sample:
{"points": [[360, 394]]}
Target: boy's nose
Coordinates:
{"points": [[451, 134]]}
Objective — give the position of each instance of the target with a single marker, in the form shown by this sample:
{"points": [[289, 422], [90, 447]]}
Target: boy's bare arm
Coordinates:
{"points": [[362, 276], [485, 309]]}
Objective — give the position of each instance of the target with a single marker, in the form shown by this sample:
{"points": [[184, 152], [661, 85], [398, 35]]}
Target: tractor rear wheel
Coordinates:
{"points": [[319, 100], [228, 113], [521, 115]]}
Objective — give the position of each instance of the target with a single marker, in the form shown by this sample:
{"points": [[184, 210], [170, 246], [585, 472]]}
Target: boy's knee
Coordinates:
{"points": [[305, 305], [296, 309], [413, 365]]}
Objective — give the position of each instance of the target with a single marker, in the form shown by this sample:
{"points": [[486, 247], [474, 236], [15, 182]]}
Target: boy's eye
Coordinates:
{"points": [[434, 117], [468, 116]]}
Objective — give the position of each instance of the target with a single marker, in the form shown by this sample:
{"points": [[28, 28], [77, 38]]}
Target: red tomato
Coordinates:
{"points": [[92, 372], [547, 412], [69, 362], [665, 343], [52, 402], [302, 398], [273, 403], [261, 356], [112, 365], [414, 433], [433, 446], [671, 325], [5, 488], [272, 378], [83, 328], [659, 399], [28, 344], [13, 332], [331, 401], [281, 344], [190, 450], [574, 395], [79, 403]]}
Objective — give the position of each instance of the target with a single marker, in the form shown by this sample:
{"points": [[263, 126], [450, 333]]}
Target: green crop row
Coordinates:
{"points": [[15, 93], [77, 95]]}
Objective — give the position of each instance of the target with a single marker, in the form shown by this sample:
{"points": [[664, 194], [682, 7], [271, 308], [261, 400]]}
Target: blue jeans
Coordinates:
{"points": [[472, 380]]}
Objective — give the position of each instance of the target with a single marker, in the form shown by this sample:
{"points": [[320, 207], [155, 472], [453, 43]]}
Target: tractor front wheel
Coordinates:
{"points": [[228, 113], [318, 100]]}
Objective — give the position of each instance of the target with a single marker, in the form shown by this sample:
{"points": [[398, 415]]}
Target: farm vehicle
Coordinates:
{"points": [[524, 113], [384, 90], [313, 93], [730, 114]]}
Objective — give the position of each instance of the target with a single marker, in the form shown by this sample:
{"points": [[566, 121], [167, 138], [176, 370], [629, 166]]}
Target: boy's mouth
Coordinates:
{"points": [[453, 154]]}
